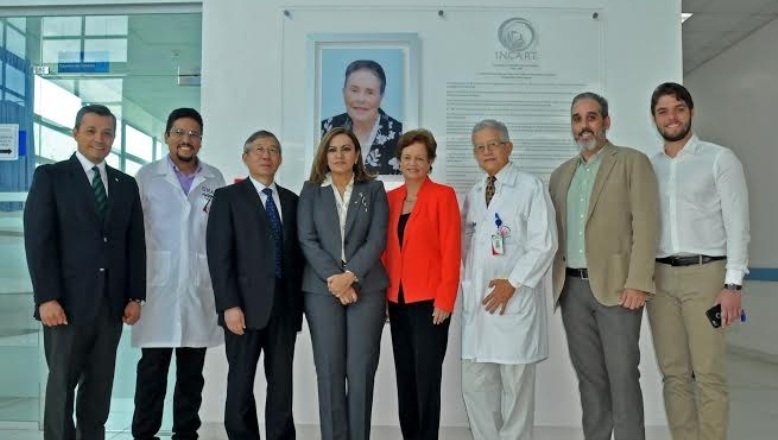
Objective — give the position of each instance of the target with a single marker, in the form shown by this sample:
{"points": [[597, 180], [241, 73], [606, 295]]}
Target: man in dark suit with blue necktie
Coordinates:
{"points": [[84, 238], [256, 269]]}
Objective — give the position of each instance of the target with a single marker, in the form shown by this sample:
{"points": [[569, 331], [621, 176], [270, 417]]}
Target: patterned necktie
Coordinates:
{"points": [[489, 189], [99, 191], [275, 228]]}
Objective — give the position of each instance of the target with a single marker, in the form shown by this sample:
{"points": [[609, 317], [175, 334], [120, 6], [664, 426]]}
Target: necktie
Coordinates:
{"points": [[275, 228], [489, 189], [99, 191]]}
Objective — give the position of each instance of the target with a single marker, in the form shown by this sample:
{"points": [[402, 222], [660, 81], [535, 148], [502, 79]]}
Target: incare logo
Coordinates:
{"points": [[517, 36]]}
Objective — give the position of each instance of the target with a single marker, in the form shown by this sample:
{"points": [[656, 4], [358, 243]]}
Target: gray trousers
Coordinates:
{"points": [[82, 355], [604, 350], [346, 346]]}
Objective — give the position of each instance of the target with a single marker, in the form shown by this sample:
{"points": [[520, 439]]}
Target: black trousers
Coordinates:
{"points": [[277, 340], [151, 386], [82, 355], [419, 349]]}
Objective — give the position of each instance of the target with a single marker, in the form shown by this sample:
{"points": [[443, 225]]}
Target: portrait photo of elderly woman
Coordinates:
{"points": [[364, 87]]}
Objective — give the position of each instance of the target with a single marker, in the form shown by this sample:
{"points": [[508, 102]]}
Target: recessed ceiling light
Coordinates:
{"points": [[685, 16]]}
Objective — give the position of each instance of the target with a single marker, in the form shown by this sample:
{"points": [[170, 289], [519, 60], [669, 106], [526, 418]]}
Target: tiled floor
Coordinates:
{"points": [[754, 413]]}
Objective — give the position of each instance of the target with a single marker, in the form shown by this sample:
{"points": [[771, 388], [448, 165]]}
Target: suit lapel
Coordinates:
{"points": [[608, 161], [113, 189], [287, 213], [354, 205], [564, 187], [86, 197]]}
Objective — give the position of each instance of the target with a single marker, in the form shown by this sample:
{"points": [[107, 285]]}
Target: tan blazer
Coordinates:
{"points": [[622, 228]]}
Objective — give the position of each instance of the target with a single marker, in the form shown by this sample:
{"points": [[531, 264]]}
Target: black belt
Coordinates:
{"points": [[689, 260], [578, 273]]}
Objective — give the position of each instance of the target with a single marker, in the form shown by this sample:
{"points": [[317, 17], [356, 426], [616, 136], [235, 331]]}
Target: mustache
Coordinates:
{"points": [[585, 130]]}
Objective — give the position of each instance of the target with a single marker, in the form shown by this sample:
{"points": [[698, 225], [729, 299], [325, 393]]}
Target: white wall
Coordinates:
{"points": [[735, 97], [241, 92]]}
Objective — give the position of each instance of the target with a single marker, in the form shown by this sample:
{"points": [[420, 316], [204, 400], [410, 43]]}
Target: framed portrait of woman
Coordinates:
{"points": [[369, 84]]}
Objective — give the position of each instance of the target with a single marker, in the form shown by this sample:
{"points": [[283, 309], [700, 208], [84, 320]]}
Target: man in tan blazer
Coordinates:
{"points": [[607, 217]]}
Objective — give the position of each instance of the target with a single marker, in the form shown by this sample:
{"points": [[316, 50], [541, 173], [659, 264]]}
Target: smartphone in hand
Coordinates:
{"points": [[714, 315]]}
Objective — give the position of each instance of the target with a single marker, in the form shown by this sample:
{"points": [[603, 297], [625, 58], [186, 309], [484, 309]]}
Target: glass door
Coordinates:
{"points": [[142, 66]]}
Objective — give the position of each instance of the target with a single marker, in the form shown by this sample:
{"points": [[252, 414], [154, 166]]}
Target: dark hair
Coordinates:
{"points": [[97, 109], [370, 66], [180, 113], [319, 168], [596, 98], [260, 134], [670, 88], [420, 135]]}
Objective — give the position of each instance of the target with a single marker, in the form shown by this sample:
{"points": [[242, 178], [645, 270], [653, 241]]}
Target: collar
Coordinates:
{"points": [[177, 170], [692, 146], [595, 157], [506, 176], [328, 181], [260, 186], [87, 164]]}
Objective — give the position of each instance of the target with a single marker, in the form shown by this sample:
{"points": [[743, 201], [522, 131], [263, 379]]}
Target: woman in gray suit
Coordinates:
{"points": [[342, 219]]}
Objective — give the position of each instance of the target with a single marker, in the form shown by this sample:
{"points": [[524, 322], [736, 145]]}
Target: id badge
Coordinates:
{"points": [[498, 245]]}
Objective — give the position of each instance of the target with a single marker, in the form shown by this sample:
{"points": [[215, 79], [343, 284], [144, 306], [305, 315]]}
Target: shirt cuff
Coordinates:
{"points": [[734, 277]]}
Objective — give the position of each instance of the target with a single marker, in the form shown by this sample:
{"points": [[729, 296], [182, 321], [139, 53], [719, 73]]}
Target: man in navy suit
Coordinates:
{"points": [[256, 270], [84, 237]]}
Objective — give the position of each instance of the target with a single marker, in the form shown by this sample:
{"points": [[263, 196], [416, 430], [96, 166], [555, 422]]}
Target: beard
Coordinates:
{"points": [[676, 137], [587, 145], [185, 158]]}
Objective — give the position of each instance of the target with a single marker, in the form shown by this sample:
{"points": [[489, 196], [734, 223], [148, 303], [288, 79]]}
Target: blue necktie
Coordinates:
{"points": [[275, 228]]}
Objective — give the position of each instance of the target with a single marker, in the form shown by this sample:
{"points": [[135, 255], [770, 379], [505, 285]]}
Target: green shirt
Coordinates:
{"points": [[578, 196]]}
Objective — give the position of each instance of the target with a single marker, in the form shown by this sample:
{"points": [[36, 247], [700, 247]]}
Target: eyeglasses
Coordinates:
{"points": [[180, 132], [490, 146], [259, 151]]}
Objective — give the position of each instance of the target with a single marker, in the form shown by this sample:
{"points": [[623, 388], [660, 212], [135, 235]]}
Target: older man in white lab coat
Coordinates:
{"points": [[179, 314], [509, 244]]}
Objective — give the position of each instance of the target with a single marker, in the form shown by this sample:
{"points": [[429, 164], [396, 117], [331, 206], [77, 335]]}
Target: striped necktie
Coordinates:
{"points": [[275, 228], [490, 189], [99, 191]]}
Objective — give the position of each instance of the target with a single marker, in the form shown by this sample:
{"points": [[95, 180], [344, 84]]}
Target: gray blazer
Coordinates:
{"points": [[319, 232]]}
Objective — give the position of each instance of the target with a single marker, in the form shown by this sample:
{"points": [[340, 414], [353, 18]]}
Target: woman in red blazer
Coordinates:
{"points": [[422, 258]]}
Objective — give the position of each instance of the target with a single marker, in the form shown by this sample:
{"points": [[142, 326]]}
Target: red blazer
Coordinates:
{"points": [[428, 262]]}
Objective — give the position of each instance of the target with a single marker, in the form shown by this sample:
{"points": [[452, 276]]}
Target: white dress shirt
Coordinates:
{"points": [[341, 203], [262, 196], [90, 173], [704, 205]]}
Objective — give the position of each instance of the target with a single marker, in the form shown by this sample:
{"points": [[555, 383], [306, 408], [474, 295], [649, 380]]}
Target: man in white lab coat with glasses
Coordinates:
{"points": [[179, 314]]}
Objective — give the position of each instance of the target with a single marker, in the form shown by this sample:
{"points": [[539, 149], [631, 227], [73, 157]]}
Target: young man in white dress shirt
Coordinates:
{"points": [[701, 261]]}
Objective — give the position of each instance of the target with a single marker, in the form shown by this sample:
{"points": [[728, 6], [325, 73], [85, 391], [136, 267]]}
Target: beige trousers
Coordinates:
{"points": [[690, 352]]}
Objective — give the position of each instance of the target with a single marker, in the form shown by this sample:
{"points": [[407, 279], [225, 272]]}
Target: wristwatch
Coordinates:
{"points": [[139, 301], [733, 287]]}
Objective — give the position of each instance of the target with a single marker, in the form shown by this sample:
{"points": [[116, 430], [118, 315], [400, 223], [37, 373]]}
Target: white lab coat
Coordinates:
{"points": [[520, 336], [180, 309]]}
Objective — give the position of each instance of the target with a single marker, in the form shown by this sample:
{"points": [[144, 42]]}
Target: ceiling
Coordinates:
{"points": [[719, 24]]}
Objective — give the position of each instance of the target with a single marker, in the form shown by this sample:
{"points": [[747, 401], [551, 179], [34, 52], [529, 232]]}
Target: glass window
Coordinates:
{"points": [[61, 26], [131, 167], [55, 103], [55, 145], [106, 25], [16, 42], [114, 160], [113, 50], [2, 34], [61, 51], [101, 90], [19, 23], [162, 149], [138, 143], [14, 79]]}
